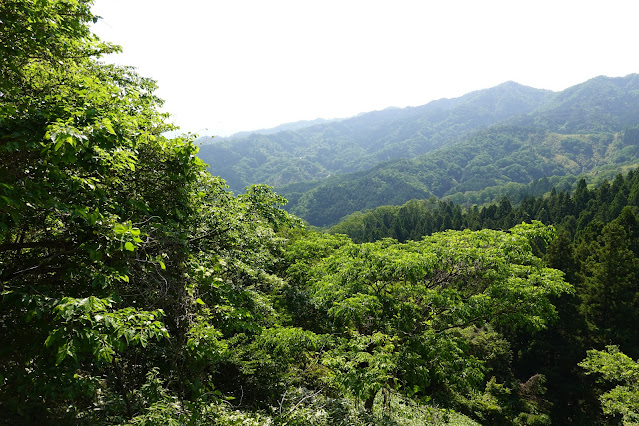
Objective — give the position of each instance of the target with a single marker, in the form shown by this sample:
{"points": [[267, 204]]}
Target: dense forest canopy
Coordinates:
{"points": [[596, 248], [137, 289]]}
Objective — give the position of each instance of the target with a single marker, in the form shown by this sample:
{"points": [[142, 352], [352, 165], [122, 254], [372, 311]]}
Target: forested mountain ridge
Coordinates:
{"points": [[527, 148], [361, 142], [601, 104], [296, 125]]}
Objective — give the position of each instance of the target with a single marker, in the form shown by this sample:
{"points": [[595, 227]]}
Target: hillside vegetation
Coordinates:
{"points": [[361, 142], [587, 129], [598, 250], [137, 290]]}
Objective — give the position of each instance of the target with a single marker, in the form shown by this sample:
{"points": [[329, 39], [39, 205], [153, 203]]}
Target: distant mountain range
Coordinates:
{"points": [[466, 148], [361, 142], [297, 125]]}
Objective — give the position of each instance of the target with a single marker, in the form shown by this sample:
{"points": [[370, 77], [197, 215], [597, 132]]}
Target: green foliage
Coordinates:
{"points": [[596, 248], [609, 286], [400, 311], [86, 325], [119, 253], [615, 367], [136, 289]]}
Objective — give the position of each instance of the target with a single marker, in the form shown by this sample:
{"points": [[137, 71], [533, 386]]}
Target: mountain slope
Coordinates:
{"points": [[296, 125], [601, 104], [537, 145], [363, 141]]}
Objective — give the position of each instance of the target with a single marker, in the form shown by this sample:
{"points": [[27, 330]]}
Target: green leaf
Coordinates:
{"points": [[63, 351], [128, 336], [51, 338], [129, 246], [106, 123]]}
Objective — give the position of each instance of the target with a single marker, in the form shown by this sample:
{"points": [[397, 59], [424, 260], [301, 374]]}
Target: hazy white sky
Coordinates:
{"points": [[229, 65]]}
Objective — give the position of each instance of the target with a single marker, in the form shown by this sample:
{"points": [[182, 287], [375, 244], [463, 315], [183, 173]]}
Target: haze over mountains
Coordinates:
{"points": [[297, 125], [473, 148], [363, 141]]}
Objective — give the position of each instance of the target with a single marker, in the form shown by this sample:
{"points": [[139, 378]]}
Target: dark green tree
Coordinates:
{"points": [[610, 289]]}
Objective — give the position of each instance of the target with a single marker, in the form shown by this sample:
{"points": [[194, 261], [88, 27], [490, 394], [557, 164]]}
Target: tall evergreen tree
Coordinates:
{"points": [[610, 302]]}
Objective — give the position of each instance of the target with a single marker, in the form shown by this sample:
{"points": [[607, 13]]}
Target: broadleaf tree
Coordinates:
{"points": [[406, 316], [119, 253], [613, 366]]}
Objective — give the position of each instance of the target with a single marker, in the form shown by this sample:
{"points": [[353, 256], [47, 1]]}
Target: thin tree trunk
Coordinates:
{"points": [[122, 388], [368, 404]]}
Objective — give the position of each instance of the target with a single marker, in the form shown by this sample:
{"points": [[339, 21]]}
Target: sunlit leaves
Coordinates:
{"points": [[128, 235], [93, 208], [203, 342], [364, 364], [462, 276], [421, 295], [89, 325], [614, 366]]}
